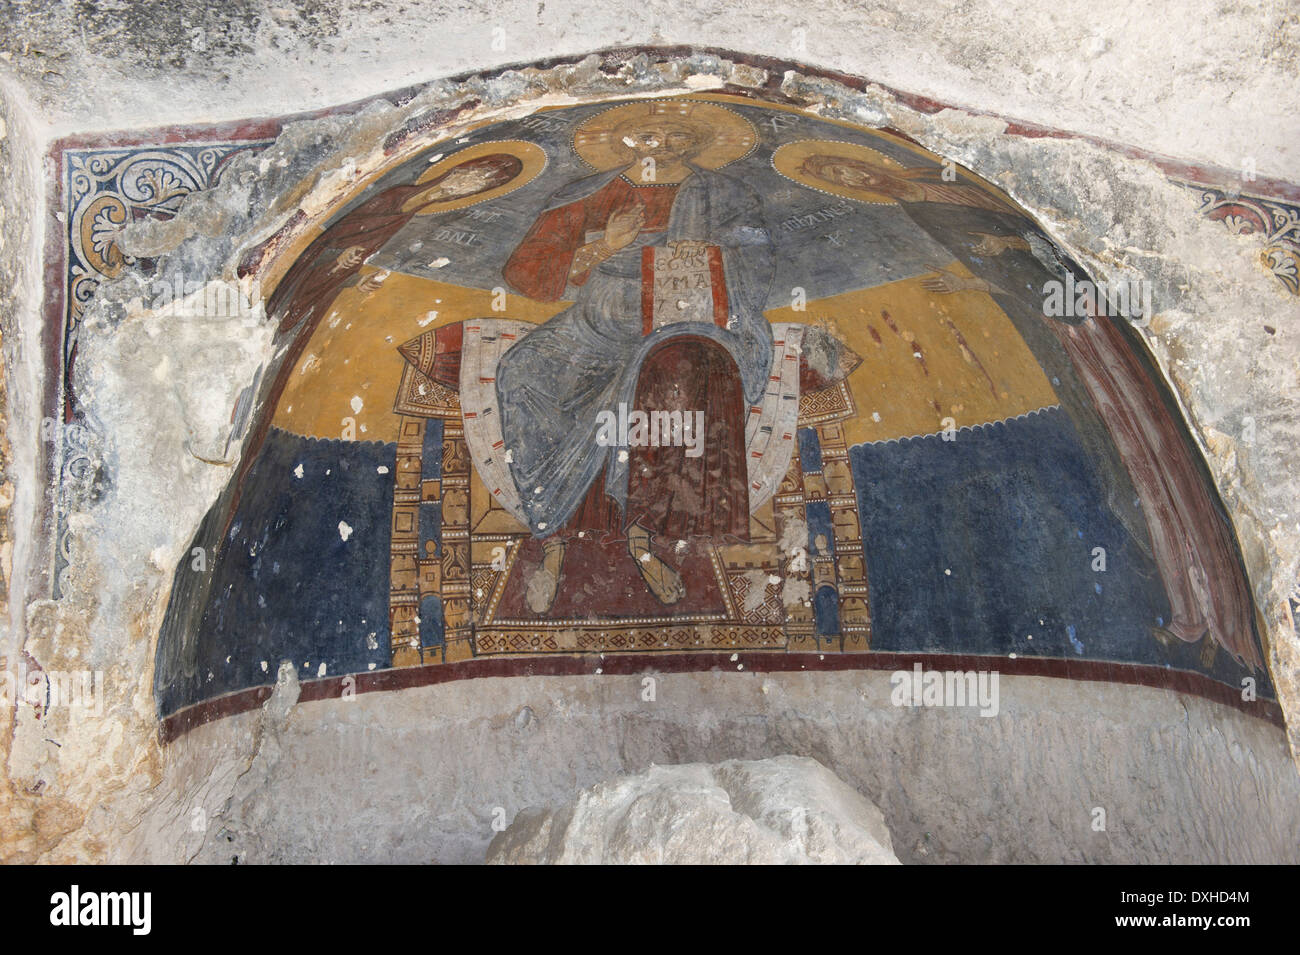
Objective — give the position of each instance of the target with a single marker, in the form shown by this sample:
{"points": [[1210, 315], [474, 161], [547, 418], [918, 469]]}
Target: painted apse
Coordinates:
{"points": [[692, 377]]}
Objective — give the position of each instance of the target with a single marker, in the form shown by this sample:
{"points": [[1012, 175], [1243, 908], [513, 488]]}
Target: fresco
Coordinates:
{"points": [[694, 376]]}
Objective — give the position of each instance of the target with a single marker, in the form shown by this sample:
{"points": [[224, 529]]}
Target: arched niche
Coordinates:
{"points": [[690, 381]]}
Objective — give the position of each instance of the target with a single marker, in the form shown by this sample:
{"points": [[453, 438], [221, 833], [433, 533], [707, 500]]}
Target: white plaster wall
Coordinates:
{"points": [[1208, 80], [418, 776], [22, 193]]}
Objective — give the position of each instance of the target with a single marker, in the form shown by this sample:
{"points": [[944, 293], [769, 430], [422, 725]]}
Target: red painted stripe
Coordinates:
{"points": [[721, 307], [647, 290], [694, 661]]}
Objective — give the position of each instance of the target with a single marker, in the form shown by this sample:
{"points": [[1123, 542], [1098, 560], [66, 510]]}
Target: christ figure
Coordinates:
{"points": [[586, 246]]}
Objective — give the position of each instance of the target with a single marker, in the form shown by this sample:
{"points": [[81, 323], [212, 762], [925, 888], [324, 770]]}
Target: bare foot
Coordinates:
{"points": [[661, 579], [545, 581]]}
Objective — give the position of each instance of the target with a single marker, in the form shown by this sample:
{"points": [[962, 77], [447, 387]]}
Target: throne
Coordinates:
{"points": [[460, 549]]}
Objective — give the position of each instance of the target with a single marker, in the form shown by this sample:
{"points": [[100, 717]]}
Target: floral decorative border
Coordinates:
{"points": [[1277, 222], [107, 189], [103, 190]]}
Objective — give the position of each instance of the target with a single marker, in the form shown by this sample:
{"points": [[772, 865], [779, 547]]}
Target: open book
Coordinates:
{"points": [[685, 286]]}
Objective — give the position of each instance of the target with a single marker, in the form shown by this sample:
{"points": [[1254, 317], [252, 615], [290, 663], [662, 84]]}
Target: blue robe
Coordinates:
{"points": [[554, 382]]}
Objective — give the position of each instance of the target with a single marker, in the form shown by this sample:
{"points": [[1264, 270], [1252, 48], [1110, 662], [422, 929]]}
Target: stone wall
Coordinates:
{"points": [[422, 775]]}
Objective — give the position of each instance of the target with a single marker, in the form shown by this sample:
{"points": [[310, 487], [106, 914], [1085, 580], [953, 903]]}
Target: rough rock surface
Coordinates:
{"points": [[1208, 80], [784, 810], [423, 775]]}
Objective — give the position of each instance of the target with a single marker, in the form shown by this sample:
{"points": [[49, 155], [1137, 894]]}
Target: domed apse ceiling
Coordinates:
{"points": [[697, 383]]}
